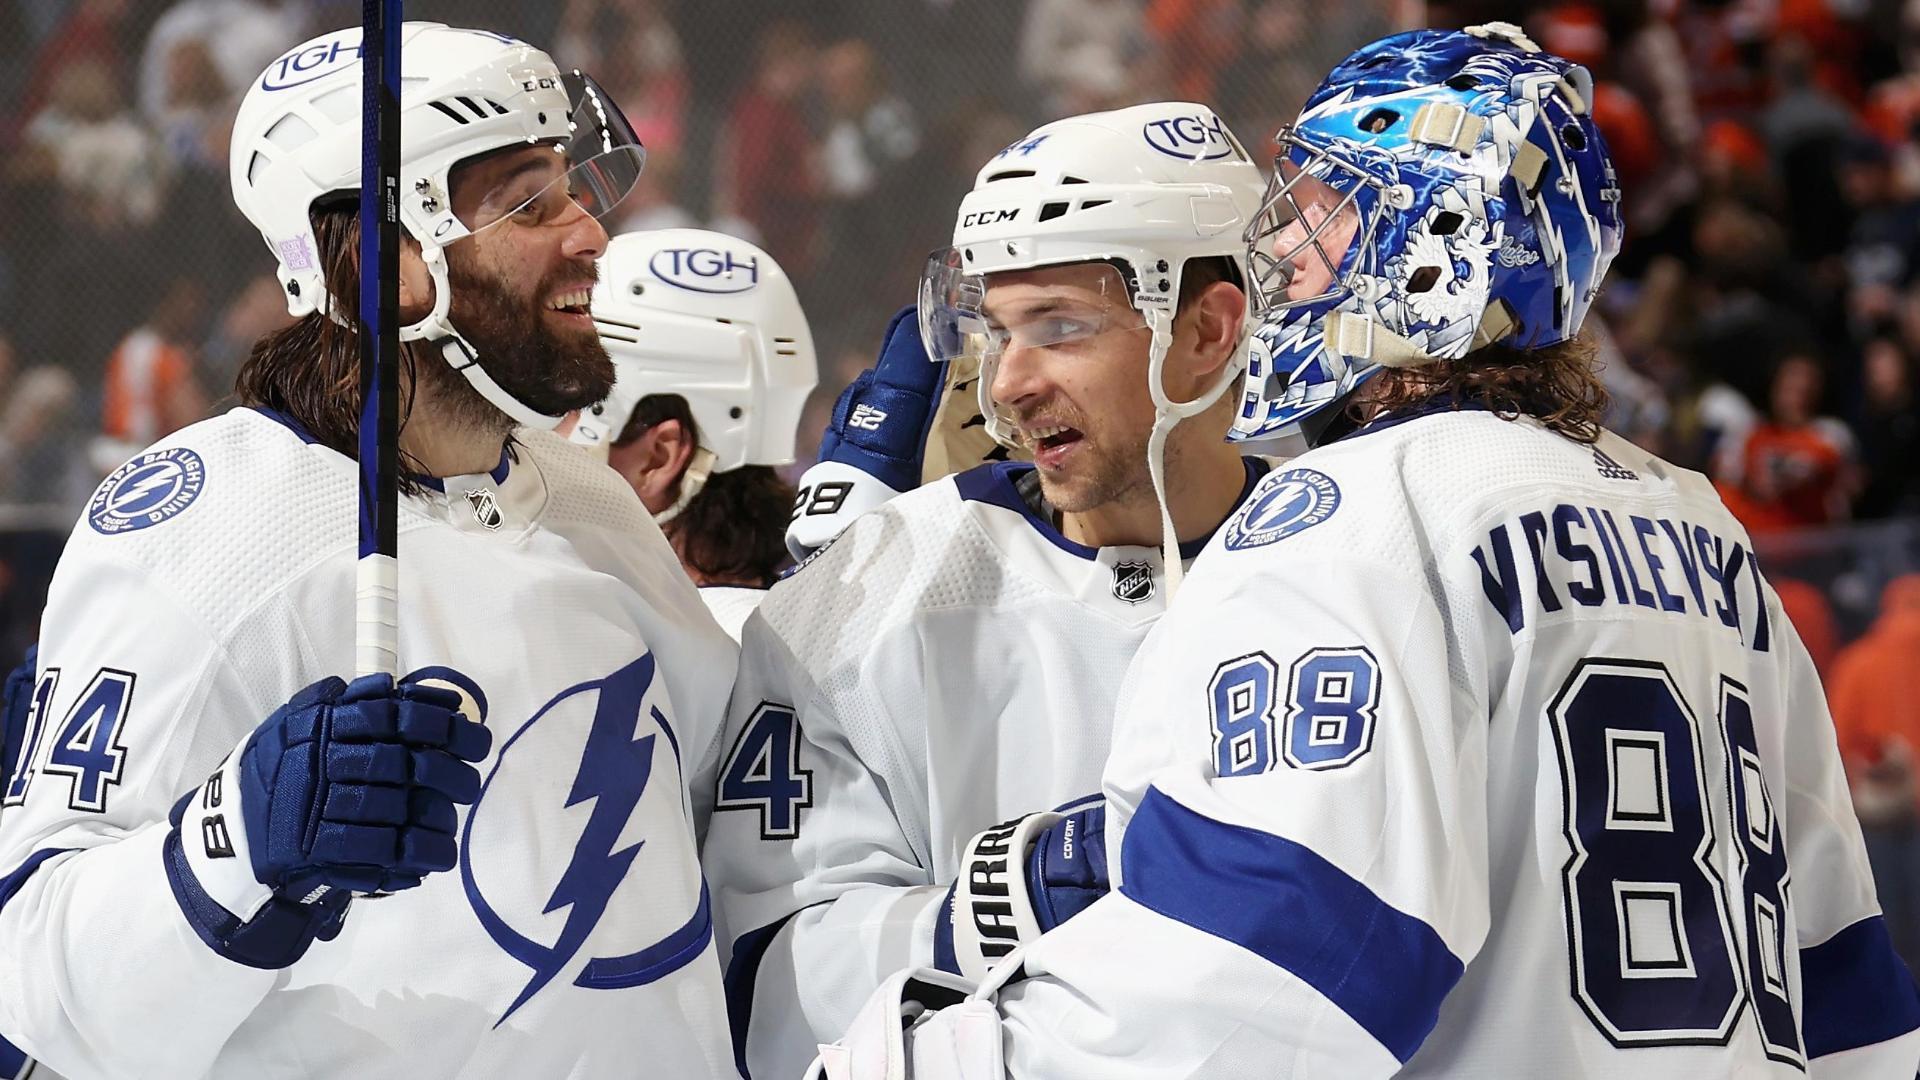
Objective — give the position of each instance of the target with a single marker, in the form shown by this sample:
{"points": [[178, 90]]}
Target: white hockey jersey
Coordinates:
{"points": [[949, 662], [210, 579], [730, 605], [1471, 751]]}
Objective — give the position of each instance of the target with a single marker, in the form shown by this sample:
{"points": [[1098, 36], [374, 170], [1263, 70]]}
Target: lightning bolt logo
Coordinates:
{"points": [[616, 766], [613, 774], [150, 489], [166, 475]]}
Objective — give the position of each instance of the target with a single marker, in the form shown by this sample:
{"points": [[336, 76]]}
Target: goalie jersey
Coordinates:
{"points": [[951, 661], [210, 579], [1470, 750]]}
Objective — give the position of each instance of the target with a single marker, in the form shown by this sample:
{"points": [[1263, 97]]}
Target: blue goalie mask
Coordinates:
{"points": [[1443, 190]]}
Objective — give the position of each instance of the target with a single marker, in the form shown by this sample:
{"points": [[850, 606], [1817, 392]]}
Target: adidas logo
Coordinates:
{"points": [[1610, 468]]}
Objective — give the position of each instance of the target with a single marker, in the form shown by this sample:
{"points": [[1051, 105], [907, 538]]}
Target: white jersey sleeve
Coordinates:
{"points": [[87, 841], [1469, 750], [949, 663], [214, 579]]}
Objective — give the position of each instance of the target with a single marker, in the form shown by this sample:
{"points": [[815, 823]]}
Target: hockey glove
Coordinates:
{"points": [[1017, 881], [874, 446], [345, 788]]}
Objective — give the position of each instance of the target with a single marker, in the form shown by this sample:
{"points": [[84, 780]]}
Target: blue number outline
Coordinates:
{"points": [[102, 732], [1364, 713], [1264, 675], [776, 822], [29, 751]]}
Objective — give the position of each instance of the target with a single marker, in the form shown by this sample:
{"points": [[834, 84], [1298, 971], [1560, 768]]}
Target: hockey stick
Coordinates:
{"points": [[377, 596]]}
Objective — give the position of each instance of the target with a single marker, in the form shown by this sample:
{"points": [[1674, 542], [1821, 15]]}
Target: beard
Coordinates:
{"points": [[546, 370], [1111, 467]]}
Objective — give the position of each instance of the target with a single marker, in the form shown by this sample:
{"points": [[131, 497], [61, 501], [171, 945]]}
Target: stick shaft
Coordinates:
{"points": [[376, 607]]}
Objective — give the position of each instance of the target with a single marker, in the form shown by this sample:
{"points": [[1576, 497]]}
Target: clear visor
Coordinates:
{"points": [[1307, 226], [1053, 306], [594, 169]]}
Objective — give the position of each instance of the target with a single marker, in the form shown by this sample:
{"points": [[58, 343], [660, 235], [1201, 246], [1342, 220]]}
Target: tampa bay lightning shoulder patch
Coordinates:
{"points": [[1283, 504], [146, 491]]}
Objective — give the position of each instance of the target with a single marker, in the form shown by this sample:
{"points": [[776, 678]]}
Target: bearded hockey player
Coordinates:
{"points": [[952, 659], [188, 824], [713, 363], [1477, 744]]}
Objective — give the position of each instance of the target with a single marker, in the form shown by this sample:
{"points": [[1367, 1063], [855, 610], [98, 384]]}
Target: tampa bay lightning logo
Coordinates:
{"points": [[1284, 504], [147, 491], [630, 932]]}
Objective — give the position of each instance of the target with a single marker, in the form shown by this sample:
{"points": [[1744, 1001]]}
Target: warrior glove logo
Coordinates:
{"points": [[146, 491], [631, 933]]}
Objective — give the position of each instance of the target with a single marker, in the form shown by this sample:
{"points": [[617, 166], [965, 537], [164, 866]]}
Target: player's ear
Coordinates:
{"points": [[416, 284], [653, 461], [1213, 324]]}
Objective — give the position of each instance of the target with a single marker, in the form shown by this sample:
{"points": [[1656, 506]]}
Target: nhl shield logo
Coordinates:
{"points": [[486, 509], [1132, 582]]}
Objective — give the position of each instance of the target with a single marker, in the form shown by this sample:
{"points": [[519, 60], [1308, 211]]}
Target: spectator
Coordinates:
{"points": [[39, 460], [1062, 39], [1198, 39], [1874, 691], [1796, 467], [1889, 427], [634, 52], [241, 36], [108, 165], [871, 132], [766, 175], [151, 387]]}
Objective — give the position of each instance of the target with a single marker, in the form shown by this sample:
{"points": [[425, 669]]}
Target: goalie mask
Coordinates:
{"points": [[1442, 191], [463, 93], [1145, 189], [715, 320]]}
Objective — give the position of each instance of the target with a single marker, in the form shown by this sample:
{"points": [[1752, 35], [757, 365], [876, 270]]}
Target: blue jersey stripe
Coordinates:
{"points": [[1857, 992], [748, 950], [12, 882], [1385, 969]]}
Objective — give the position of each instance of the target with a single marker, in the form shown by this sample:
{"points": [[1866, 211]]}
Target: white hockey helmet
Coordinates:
{"points": [[463, 93], [1147, 187], [714, 319]]}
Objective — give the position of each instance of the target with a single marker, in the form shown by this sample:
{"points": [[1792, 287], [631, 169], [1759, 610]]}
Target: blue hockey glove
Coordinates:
{"points": [[346, 788], [1017, 881], [875, 445]]}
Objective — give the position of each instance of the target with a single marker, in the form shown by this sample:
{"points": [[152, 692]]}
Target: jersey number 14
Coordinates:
{"points": [[85, 747]]}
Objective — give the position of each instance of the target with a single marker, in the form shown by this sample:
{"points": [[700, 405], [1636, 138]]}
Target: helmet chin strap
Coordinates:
{"points": [[436, 329], [699, 468], [1166, 413]]}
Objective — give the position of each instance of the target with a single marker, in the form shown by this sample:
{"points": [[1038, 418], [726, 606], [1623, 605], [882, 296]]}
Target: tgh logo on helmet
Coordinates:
{"points": [[706, 270], [1189, 138]]}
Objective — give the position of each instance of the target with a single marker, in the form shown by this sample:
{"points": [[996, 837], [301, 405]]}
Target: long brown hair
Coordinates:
{"points": [[1557, 385], [735, 528], [310, 371]]}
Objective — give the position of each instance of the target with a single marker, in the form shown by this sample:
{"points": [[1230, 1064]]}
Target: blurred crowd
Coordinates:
{"points": [[1761, 325]]}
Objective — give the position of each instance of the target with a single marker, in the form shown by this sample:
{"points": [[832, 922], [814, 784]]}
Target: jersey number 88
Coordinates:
{"points": [[1651, 922]]}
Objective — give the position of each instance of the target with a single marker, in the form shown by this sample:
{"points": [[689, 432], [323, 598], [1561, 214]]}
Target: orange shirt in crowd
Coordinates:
{"points": [[1874, 690], [150, 390], [1789, 476]]}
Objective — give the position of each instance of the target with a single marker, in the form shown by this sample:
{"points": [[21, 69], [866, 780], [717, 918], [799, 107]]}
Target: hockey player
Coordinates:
{"points": [[180, 844], [954, 656], [713, 363], [1477, 744]]}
